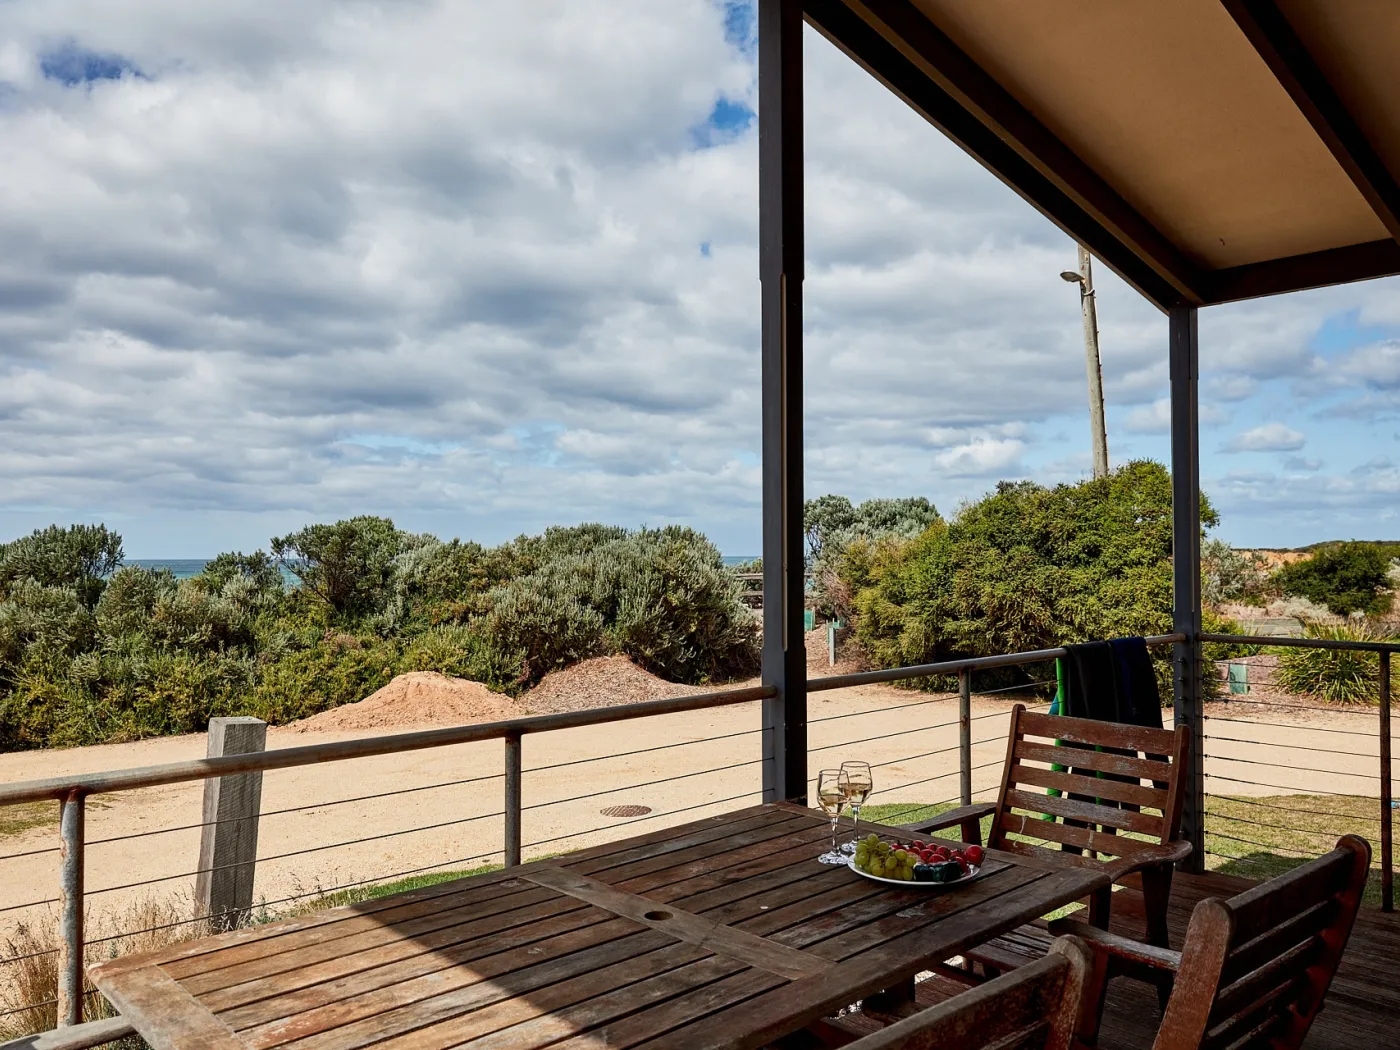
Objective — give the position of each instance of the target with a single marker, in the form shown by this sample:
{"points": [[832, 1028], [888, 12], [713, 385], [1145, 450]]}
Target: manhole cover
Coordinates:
{"points": [[626, 811]]}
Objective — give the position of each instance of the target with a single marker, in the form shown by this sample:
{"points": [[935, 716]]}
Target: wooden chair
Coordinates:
{"points": [[1254, 970], [1036, 1006], [1103, 787]]}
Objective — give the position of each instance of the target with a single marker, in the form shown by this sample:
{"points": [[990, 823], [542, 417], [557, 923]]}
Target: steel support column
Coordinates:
{"points": [[780, 260], [1186, 567]]}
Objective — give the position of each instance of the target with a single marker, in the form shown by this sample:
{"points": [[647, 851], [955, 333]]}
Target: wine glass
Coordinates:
{"points": [[859, 783], [831, 796]]}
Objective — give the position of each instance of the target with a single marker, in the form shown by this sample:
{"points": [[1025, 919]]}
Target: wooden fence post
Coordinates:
{"points": [[228, 846]]}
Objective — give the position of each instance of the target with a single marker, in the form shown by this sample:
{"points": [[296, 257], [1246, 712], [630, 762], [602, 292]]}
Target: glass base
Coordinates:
{"points": [[832, 857], [848, 848]]}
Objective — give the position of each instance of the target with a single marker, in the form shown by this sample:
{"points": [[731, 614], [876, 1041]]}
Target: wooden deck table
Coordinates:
{"points": [[720, 933]]}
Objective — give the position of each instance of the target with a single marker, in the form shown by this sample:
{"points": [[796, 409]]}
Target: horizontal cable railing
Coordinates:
{"points": [[1271, 801]]}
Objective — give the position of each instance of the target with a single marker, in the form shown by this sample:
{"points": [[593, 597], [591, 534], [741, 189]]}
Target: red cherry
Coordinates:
{"points": [[919, 845], [975, 854]]}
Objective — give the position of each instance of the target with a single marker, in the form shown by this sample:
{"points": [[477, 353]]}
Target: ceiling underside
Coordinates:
{"points": [[1206, 150]]}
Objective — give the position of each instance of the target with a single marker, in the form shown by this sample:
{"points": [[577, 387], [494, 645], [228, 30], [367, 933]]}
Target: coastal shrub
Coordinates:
{"points": [[833, 524], [1346, 577], [348, 564], [77, 558], [307, 681], [464, 652], [1335, 676], [1230, 575], [661, 596], [250, 579], [1026, 567]]}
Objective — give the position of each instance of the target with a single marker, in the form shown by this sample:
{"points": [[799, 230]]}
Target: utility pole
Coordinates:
{"points": [[1098, 430]]}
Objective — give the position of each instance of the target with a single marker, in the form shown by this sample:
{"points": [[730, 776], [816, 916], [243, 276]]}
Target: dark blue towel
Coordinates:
{"points": [[1112, 682]]}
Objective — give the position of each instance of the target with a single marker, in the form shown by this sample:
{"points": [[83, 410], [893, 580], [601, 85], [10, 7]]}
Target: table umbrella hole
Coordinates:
{"points": [[656, 916]]}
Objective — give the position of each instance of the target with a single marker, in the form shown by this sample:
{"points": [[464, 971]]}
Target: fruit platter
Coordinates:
{"points": [[923, 864]]}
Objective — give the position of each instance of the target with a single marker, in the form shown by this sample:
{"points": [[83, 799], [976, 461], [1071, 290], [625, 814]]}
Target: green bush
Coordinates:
{"points": [[308, 681], [661, 596], [1230, 575], [464, 652], [349, 565], [833, 524], [78, 558], [1345, 577], [1336, 676], [1026, 567]]}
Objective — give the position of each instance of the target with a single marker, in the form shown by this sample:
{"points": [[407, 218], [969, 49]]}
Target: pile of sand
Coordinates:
{"points": [[419, 698], [604, 681]]}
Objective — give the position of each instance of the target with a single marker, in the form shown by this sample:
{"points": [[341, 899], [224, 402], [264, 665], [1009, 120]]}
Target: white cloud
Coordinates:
{"points": [[467, 266], [1156, 418], [1268, 437], [981, 457]]}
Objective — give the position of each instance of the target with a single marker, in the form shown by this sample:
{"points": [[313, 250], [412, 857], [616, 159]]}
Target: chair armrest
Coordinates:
{"points": [[1152, 857], [963, 815], [1118, 947]]}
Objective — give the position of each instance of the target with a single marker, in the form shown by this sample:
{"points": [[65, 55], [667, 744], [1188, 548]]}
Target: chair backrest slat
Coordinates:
{"points": [[1034, 1007], [1097, 789], [1099, 761], [1256, 968]]}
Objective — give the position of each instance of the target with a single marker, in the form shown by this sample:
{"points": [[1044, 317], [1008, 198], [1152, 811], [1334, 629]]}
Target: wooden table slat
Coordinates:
{"points": [[168, 1017], [682, 925], [460, 920], [456, 1017], [430, 998], [322, 982], [651, 991]]}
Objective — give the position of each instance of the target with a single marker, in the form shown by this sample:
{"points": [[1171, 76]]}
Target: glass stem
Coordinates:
{"points": [[855, 823], [834, 848]]}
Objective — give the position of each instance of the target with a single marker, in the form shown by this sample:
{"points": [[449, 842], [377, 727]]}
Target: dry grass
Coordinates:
{"points": [[29, 985]]}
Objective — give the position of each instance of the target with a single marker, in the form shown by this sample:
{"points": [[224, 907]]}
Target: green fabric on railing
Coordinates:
{"points": [[1056, 706]]}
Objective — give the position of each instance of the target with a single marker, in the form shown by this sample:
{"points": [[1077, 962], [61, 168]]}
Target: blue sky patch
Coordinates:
{"points": [[705, 249], [1344, 331], [741, 25], [72, 65], [728, 120]]}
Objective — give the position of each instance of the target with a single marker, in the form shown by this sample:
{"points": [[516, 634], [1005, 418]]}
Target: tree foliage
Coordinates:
{"points": [[833, 525], [1345, 577], [78, 558], [348, 565], [1027, 567]]}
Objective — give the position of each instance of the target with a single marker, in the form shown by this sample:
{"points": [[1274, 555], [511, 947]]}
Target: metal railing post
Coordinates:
{"points": [[70, 918], [1387, 818], [512, 802], [965, 735]]}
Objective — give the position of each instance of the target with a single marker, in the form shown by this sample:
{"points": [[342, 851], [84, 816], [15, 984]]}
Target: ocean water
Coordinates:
{"points": [[183, 568]]}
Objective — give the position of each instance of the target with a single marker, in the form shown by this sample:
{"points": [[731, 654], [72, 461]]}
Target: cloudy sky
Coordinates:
{"points": [[486, 267]]}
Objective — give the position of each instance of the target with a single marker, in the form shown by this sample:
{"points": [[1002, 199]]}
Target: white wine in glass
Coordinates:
{"points": [[831, 796], [859, 783]]}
